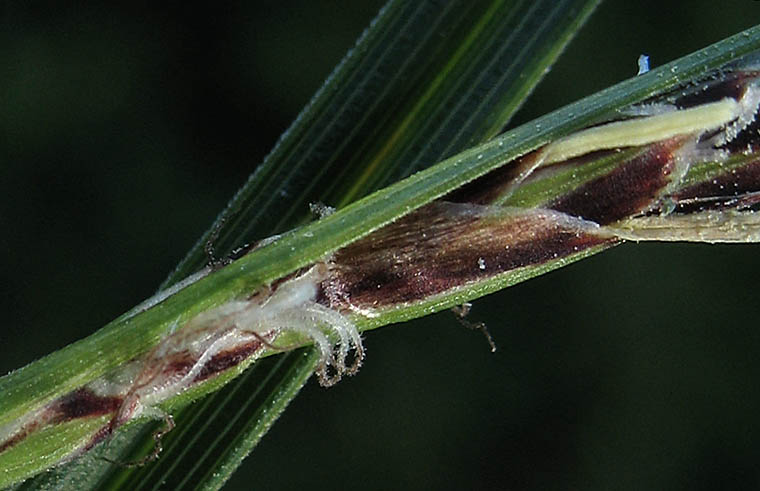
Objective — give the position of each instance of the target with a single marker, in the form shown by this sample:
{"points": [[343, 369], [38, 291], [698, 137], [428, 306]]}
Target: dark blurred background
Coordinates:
{"points": [[123, 132]]}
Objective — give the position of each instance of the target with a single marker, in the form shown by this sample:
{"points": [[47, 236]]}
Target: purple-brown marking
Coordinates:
{"points": [[720, 192], [80, 403], [83, 403], [629, 189], [487, 188], [447, 245], [730, 84], [228, 359], [19, 436]]}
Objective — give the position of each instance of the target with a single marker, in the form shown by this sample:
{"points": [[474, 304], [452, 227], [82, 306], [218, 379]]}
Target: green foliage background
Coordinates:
{"points": [[124, 132]]}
